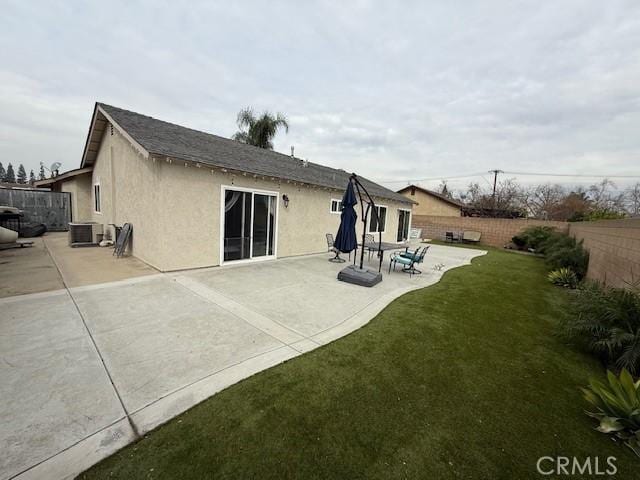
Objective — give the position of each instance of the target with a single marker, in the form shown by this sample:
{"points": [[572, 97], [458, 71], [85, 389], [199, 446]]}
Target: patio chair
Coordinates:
{"points": [[408, 263], [452, 237], [369, 238], [413, 253], [415, 234], [331, 248], [471, 236]]}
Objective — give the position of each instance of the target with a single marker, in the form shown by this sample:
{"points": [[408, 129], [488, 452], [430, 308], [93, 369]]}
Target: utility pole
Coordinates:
{"points": [[495, 182]]}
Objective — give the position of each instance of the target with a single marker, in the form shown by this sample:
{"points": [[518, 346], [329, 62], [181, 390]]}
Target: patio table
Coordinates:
{"points": [[384, 246]]}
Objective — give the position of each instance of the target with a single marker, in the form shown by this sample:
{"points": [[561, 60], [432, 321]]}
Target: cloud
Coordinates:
{"points": [[393, 92]]}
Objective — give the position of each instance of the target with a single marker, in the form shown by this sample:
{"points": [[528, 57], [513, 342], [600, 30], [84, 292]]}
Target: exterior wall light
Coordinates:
{"points": [[285, 199]]}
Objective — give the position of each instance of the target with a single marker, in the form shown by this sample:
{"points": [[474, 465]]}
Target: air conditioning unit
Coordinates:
{"points": [[85, 234]]}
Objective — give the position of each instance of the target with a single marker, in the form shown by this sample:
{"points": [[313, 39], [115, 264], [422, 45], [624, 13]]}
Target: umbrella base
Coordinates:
{"points": [[357, 276], [337, 258]]}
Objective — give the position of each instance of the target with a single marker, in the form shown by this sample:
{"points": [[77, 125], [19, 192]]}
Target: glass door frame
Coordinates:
{"points": [[253, 191], [406, 210]]}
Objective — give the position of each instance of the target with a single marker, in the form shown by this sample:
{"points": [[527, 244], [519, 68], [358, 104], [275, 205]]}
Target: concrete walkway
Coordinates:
{"points": [[88, 369], [50, 264]]}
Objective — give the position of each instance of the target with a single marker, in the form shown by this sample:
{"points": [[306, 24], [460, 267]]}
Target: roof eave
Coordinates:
{"points": [[244, 173], [96, 132], [432, 194], [63, 176]]}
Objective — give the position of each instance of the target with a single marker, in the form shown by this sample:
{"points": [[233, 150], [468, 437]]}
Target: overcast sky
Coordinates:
{"points": [[421, 90]]}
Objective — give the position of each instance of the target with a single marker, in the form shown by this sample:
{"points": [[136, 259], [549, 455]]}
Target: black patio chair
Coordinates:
{"points": [[451, 237], [331, 248]]}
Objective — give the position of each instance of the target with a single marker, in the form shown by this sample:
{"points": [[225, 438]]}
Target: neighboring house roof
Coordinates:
{"points": [[439, 196], [156, 137], [17, 186], [47, 182]]}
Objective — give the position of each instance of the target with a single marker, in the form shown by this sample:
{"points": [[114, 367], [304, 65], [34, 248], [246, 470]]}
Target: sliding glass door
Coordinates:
{"points": [[404, 219], [248, 224]]}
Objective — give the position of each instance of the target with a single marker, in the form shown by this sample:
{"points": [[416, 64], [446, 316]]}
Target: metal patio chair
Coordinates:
{"points": [[408, 260], [331, 248]]}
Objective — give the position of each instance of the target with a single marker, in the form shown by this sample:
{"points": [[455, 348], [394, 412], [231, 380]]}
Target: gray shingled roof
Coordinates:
{"points": [[163, 138]]}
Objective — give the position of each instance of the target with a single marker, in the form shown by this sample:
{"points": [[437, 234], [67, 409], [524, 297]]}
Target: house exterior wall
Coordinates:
{"points": [[130, 191], [194, 212], [175, 208], [430, 205], [80, 189]]}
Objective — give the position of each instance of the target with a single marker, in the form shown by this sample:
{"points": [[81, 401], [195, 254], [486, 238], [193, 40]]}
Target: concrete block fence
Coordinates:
{"points": [[614, 250], [496, 232], [613, 245]]}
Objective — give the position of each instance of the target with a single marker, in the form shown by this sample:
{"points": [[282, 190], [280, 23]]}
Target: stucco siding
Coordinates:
{"points": [[192, 212], [80, 189], [430, 205], [129, 193]]}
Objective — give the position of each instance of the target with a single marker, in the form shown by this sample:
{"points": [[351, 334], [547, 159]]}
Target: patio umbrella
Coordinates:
{"points": [[346, 237]]}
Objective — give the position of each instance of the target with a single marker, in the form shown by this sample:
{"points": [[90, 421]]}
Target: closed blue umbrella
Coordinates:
{"points": [[346, 237]]}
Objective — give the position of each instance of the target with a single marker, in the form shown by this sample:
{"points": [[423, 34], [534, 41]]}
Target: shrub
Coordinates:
{"points": [[519, 241], [565, 252], [533, 237], [598, 214], [555, 241], [565, 277], [617, 407], [606, 321]]}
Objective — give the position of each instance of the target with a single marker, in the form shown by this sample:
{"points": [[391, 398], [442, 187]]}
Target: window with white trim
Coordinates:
{"points": [[336, 206], [374, 225], [96, 198]]}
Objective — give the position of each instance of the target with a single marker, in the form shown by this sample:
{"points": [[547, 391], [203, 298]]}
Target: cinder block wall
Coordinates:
{"points": [[614, 249], [496, 232]]}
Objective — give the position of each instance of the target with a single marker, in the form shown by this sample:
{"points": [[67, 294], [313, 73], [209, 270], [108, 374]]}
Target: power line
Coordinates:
{"points": [[508, 172], [432, 178], [570, 175]]}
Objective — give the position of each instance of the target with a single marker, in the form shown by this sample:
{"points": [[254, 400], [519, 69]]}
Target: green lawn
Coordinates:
{"points": [[464, 379]]}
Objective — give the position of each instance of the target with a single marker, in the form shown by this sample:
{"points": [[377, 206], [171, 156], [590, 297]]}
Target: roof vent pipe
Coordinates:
{"points": [[292, 151]]}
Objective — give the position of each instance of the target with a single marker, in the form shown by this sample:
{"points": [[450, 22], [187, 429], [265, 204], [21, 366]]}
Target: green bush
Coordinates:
{"points": [[598, 214], [533, 237], [567, 253], [555, 241], [565, 277], [617, 407], [519, 241], [606, 321]]}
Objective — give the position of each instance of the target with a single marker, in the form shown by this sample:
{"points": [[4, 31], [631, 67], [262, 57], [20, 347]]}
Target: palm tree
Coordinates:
{"points": [[259, 131]]}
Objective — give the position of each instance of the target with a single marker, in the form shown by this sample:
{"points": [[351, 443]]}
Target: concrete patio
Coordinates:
{"points": [[87, 369]]}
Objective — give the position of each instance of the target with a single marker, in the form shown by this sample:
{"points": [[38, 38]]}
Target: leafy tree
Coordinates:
{"points": [[259, 130], [10, 176], [575, 206], [32, 177], [41, 175], [3, 172], [22, 174]]}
